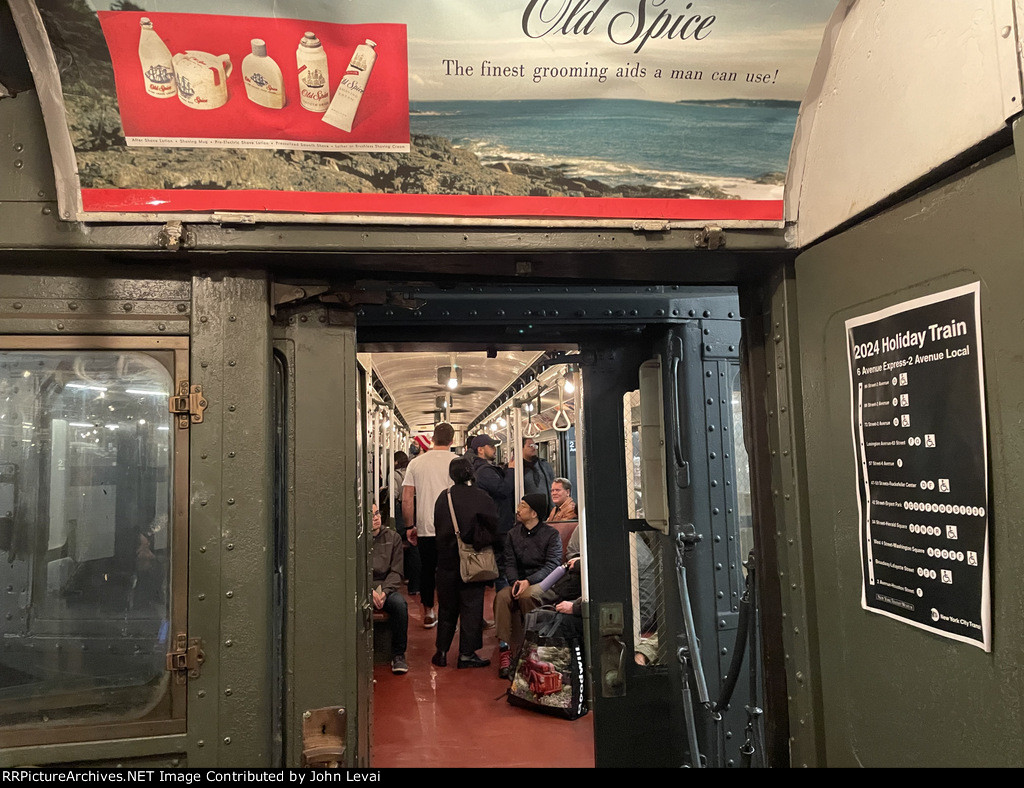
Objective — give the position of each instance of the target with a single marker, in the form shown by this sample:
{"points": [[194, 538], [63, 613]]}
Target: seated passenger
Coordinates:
{"points": [[564, 507], [533, 550], [386, 558]]}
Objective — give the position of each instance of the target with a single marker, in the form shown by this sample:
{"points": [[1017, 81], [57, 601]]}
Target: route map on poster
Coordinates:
{"points": [[919, 431]]}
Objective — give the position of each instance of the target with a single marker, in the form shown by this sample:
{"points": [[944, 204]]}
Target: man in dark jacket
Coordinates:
{"points": [[538, 475], [500, 484], [386, 594], [532, 552]]}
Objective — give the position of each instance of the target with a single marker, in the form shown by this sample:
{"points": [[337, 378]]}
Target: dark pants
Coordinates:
{"points": [[499, 555], [398, 620], [413, 570], [428, 559], [459, 604]]}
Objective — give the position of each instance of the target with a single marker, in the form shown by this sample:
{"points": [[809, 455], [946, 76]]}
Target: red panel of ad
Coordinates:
{"points": [[174, 201]]}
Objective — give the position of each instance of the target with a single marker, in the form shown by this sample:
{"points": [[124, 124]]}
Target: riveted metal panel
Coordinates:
{"points": [[230, 570], [50, 301], [327, 636], [894, 694], [793, 559]]}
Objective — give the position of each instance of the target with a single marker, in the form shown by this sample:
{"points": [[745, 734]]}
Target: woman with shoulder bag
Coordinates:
{"points": [[459, 602]]}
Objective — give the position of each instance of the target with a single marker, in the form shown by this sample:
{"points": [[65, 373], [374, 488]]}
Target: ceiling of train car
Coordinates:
{"points": [[418, 391]]}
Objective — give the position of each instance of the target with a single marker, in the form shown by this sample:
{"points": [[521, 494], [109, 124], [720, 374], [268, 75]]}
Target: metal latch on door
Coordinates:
{"points": [[186, 658], [188, 404]]}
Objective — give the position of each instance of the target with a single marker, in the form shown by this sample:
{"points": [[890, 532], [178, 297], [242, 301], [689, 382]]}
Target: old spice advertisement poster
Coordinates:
{"points": [[589, 109]]}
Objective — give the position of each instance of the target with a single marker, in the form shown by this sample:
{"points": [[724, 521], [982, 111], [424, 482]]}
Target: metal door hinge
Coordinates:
{"points": [[188, 404], [186, 658]]}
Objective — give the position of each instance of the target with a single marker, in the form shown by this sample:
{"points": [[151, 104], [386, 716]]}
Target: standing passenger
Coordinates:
{"points": [[458, 601], [537, 474], [411, 551], [500, 484], [425, 479]]}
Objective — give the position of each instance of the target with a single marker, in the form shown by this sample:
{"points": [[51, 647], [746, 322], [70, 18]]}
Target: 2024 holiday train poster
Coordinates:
{"points": [[527, 108]]}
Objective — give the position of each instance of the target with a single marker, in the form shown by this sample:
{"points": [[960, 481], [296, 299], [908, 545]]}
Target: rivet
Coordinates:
{"points": [[181, 307], [228, 643], [200, 743], [228, 691], [201, 693], [161, 326], [203, 503], [203, 319], [126, 307], [232, 318], [322, 318], [231, 408], [202, 597], [19, 147], [229, 594], [60, 326], [204, 364], [231, 501], [231, 546], [707, 313], [18, 164], [17, 304], [72, 306], [231, 363], [203, 456], [303, 319], [202, 549], [227, 740], [231, 454]]}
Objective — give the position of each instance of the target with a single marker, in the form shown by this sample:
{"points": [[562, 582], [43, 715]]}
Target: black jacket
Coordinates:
{"points": [[500, 484], [532, 555], [478, 523]]}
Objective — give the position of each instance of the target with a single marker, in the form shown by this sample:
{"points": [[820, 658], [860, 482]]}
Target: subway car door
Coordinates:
{"points": [[668, 532]]}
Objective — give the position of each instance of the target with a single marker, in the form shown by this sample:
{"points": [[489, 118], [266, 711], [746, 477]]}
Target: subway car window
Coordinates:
{"points": [[742, 465], [86, 446], [631, 442]]}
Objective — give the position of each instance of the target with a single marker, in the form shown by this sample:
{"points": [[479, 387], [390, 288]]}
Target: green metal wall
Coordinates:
{"points": [[894, 695]]}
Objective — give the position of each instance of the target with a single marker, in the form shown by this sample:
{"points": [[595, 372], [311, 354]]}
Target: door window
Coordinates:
{"points": [[86, 537]]}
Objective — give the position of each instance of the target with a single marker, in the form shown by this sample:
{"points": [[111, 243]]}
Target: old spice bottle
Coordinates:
{"points": [[314, 86], [264, 84], [155, 58]]}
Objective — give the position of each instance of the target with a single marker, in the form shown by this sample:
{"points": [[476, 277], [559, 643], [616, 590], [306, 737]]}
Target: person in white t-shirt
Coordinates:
{"points": [[425, 479]]}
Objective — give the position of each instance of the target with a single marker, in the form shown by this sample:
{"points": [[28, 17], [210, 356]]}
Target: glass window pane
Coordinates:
{"points": [[632, 446], [648, 597], [85, 517], [742, 465]]}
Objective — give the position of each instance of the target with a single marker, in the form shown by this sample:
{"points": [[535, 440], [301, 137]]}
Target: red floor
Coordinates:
{"points": [[444, 717]]}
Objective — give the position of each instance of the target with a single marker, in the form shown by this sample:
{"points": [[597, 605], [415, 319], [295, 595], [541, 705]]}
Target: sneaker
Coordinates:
{"points": [[398, 664], [440, 659], [430, 619], [504, 663]]}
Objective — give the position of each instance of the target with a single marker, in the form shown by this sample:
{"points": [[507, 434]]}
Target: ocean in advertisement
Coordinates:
{"points": [[739, 146]]}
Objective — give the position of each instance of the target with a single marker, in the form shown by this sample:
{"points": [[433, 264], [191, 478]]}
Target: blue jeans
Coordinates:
{"points": [[398, 620]]}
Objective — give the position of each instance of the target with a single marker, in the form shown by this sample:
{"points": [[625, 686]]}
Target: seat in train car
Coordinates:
{"points": [[565, 529], [381, 637]]}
